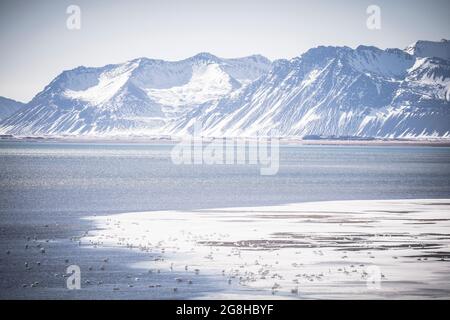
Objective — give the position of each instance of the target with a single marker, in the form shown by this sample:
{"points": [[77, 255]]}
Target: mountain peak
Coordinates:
{"points": [[425, 48], [368, 48], [205, 56], [258, 57]]}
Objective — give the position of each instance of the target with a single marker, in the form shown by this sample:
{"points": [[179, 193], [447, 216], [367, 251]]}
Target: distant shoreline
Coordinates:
{"points": [[438, 142]]}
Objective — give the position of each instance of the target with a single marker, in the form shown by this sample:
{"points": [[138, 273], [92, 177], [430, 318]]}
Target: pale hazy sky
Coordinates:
{"points": [[36, 45]]}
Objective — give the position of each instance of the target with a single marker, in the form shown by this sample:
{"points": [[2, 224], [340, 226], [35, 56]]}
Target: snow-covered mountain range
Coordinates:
{"points": [[327, 91]]}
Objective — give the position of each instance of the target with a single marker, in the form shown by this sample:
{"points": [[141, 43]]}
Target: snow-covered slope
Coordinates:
{"points": [[327, 91], [430, 49], [8, 107], [337, 91], [140, 96]]}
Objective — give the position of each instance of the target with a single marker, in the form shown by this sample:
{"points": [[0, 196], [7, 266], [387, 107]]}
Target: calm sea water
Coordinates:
{"points": [[45, 188], [61, 179]]}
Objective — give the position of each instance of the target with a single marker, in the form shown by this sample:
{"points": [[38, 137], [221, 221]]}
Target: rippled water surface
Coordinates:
{"points": [[57, 178]]}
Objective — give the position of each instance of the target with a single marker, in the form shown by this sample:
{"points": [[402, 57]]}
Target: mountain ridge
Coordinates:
{"points": [[327, 91]]}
